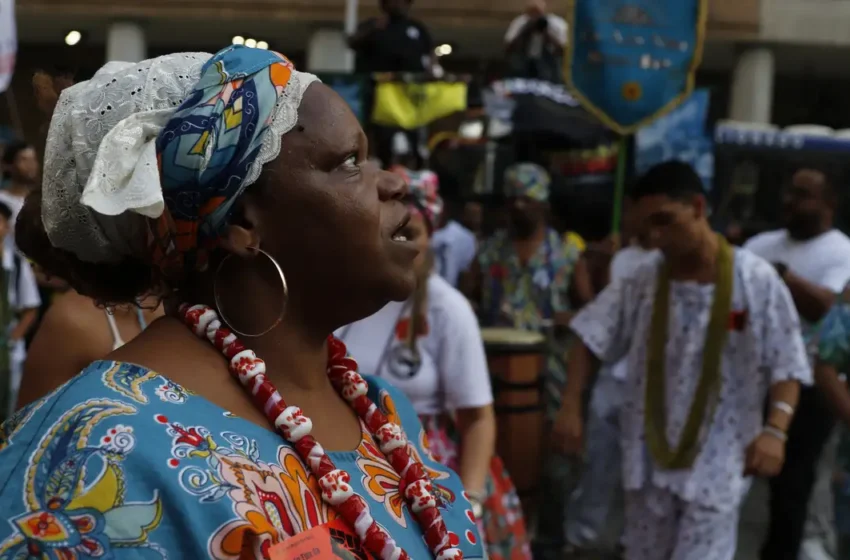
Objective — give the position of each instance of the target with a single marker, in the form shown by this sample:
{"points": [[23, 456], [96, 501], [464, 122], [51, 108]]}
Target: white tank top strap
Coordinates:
{"points": [[117, 341]]}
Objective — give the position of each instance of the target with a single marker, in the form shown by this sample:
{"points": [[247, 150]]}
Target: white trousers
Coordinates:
{"points": [[589, 513], [661, 526], [819, 539]]}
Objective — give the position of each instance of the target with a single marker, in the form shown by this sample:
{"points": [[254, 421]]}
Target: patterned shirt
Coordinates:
{"points": [[123, 463], [527, 296], [764, 346]]}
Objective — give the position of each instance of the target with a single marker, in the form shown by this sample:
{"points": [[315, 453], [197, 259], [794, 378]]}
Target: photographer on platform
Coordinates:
{"points": [[535, 43]]}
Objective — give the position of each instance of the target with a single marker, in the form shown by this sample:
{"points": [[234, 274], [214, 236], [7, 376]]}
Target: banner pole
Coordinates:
{"points": [[350, 26], [619, 185]]}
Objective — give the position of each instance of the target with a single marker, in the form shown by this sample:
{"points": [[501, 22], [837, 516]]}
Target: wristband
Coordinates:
{"points": [[477, 502], [784, 407], [775, 432]]}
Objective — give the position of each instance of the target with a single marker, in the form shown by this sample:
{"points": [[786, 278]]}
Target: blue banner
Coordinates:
{"points": [[679, 135], [630, 62]]}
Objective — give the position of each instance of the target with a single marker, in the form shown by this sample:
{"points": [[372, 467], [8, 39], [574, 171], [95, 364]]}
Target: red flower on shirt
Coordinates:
{"points": [[738, 320], [498, 271]]}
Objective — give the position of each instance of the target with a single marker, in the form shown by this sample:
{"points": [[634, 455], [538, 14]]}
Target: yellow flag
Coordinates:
{"points": [[411, 106]]}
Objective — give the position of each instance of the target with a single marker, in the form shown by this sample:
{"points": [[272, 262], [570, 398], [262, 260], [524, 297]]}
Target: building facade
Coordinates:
{"points": [[751, 43]]}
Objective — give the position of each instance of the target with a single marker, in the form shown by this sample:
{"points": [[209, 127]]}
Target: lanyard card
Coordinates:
{"points": [[331, 541]]}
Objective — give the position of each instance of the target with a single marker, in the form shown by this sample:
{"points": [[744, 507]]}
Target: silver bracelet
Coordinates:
{"points": [[775, 432], [784, 407]]}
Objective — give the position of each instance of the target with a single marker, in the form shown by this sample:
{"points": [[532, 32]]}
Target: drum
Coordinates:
{"points": [[516, 359]]}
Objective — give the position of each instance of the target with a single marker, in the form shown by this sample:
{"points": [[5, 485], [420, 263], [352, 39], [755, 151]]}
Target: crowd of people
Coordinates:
{"points": [[230, 205]]}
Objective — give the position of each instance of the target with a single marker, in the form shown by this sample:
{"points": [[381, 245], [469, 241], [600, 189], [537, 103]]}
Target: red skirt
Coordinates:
{"points": [[502, 526]]}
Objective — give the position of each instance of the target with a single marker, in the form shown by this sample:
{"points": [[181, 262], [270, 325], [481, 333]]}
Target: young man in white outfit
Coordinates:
{"points": [[709, 332], [813, 259]]}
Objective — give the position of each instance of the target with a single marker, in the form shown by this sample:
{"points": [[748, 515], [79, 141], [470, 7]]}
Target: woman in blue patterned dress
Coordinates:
{"points": [[239, 184]]}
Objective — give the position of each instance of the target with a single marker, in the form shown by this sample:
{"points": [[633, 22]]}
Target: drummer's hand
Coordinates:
{"points": [[568, 430]]}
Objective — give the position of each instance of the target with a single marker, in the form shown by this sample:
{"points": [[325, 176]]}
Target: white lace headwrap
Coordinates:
{"points": [[186, 133], [100, 154]]}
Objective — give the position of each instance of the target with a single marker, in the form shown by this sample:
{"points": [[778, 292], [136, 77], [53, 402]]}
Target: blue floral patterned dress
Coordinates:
{"points": [[122, 463]]}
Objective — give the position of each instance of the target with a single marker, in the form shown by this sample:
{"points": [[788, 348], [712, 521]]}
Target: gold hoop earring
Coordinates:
{"points": [[283, 305]]}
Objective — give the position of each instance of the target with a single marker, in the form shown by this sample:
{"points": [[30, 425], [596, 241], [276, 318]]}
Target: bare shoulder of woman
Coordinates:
{"points": [[73, 334]]}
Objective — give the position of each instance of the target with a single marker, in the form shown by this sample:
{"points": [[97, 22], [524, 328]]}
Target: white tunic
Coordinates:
{"points": [[624, 265], [764, 349]]}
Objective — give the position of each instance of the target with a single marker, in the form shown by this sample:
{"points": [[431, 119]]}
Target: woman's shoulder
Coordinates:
{"points": [[393, 402], [72, 334], [102, 383], [71, 313], [444, 296], [382, 391]]}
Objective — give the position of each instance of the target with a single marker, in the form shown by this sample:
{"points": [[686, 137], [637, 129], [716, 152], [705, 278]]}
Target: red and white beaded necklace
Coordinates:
{"points": [[295, 427]]}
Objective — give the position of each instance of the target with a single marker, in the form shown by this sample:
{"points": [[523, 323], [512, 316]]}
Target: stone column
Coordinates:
{"points": [[752, 87], [125, 42], [327, 51]]}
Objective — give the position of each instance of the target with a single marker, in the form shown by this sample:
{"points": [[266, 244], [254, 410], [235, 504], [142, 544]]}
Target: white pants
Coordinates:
{"points": [[819, 539], [589, 512], [661, 526]]}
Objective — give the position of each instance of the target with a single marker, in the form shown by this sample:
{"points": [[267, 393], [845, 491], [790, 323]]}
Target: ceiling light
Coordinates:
{"points": [[238, 40], [262, 45], [72, 38], [251, 43]]}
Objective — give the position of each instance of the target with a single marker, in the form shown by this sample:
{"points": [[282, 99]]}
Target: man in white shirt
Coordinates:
{"points": [[709, 332], [535, 43], [454, 250], [454, 245], [814, 260]]}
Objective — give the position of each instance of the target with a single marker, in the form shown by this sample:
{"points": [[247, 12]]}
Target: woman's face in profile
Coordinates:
{"points": [[331, 218]]}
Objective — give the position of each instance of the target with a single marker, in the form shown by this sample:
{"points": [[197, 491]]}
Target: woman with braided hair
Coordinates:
{"points": [[430, 348], [236, 189]]}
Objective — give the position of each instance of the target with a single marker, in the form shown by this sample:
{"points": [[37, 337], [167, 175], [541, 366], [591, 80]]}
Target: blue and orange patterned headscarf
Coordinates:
{"points": [[215, 144], [529, 180], [423, 189]]}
